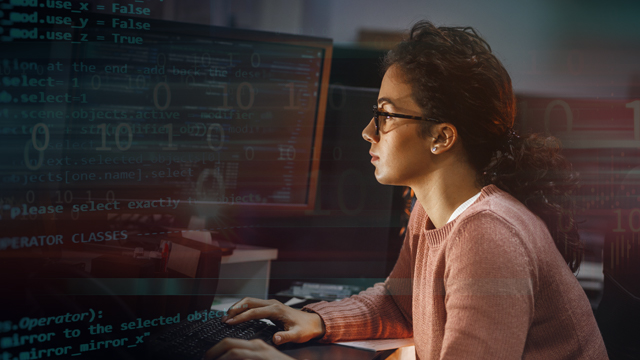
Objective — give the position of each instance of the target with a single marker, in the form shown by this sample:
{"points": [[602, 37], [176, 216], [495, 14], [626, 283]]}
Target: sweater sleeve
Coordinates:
{"points": [[380, 312], [489, 286]]}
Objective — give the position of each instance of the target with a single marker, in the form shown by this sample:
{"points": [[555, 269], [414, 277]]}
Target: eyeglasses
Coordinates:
{"points": [[385, 115]]}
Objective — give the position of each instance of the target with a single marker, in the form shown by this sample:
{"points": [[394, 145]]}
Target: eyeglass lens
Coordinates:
{"points": [[380, 121]]}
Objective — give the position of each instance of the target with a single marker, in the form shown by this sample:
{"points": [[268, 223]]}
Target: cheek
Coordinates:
{"points": [[408, 155], [402, 150], [394, 152]]}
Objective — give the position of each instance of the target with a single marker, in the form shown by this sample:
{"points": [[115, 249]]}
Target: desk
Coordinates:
{"points": [[316, 351], [246, 272]]}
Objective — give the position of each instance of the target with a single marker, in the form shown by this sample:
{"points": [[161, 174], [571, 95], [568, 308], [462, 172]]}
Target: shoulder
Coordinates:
{"points": [[497, 232], [498, 210], [485, 230], [486, 249]]}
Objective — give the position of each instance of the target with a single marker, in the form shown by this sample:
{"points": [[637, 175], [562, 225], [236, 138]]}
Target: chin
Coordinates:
{"points": [[384, 180], [390, 178]]}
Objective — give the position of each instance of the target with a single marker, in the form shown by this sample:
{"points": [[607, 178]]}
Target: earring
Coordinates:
{"points": [[434, 149]]}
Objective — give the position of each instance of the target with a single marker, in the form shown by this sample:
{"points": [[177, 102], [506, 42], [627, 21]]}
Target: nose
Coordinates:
{"points": [[369, 133]]}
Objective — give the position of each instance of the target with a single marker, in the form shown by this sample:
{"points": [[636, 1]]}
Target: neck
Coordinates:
{"points": [[444, 191]]}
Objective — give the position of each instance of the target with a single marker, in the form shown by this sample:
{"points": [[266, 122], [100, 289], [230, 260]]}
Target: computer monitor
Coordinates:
{"points": [[162, 119], [105, 115]]}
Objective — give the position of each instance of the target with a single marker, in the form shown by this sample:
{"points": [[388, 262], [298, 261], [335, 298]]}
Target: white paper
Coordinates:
{"points": [[378, 345], [294, 300]]}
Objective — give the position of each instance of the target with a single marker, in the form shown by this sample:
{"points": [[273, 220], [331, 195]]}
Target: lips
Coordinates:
{"points": [[374, 157]]}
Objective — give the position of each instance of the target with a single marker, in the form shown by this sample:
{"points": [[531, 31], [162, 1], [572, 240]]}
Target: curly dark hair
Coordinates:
{"points": [[456, 78]]}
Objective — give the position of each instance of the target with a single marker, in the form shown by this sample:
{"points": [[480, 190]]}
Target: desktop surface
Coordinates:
{"points": [[314, 350]]}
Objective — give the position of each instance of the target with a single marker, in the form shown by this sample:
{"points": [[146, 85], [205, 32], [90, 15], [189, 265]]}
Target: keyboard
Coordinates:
{"points": [[191, 339]]}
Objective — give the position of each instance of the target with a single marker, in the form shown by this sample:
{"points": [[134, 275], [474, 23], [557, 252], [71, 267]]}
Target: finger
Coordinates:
{"points": [[243, 305], [226, 345], [283, 337], [271, 312]]}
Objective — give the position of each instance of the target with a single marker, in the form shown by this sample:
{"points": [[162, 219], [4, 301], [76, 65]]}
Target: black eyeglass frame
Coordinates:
{"points": [[377, 113]]}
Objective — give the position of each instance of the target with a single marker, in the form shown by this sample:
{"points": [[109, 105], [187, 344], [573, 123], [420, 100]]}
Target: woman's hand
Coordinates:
{"points": [[238, 349], [299, 326]]}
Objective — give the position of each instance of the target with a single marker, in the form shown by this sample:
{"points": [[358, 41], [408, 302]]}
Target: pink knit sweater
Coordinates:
{"points": [[488, 285]]}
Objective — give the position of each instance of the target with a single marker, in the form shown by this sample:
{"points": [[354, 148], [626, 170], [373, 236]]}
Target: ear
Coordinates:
{"points": [[444, 136]]}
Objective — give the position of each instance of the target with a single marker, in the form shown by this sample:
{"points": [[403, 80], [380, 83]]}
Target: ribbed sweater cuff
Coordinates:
{"points": [[323, 309]]}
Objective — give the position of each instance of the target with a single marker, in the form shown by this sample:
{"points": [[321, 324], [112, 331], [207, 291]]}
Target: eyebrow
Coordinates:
{"points": [[385, 99]]}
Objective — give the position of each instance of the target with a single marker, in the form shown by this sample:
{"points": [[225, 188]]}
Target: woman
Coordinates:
{"points": [[485, 270]]}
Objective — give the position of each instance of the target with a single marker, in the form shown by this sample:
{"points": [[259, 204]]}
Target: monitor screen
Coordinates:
{"points": [[134, 115]]}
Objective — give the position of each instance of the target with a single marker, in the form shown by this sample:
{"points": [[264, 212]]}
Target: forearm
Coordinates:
{"points": [[372, 314]]}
